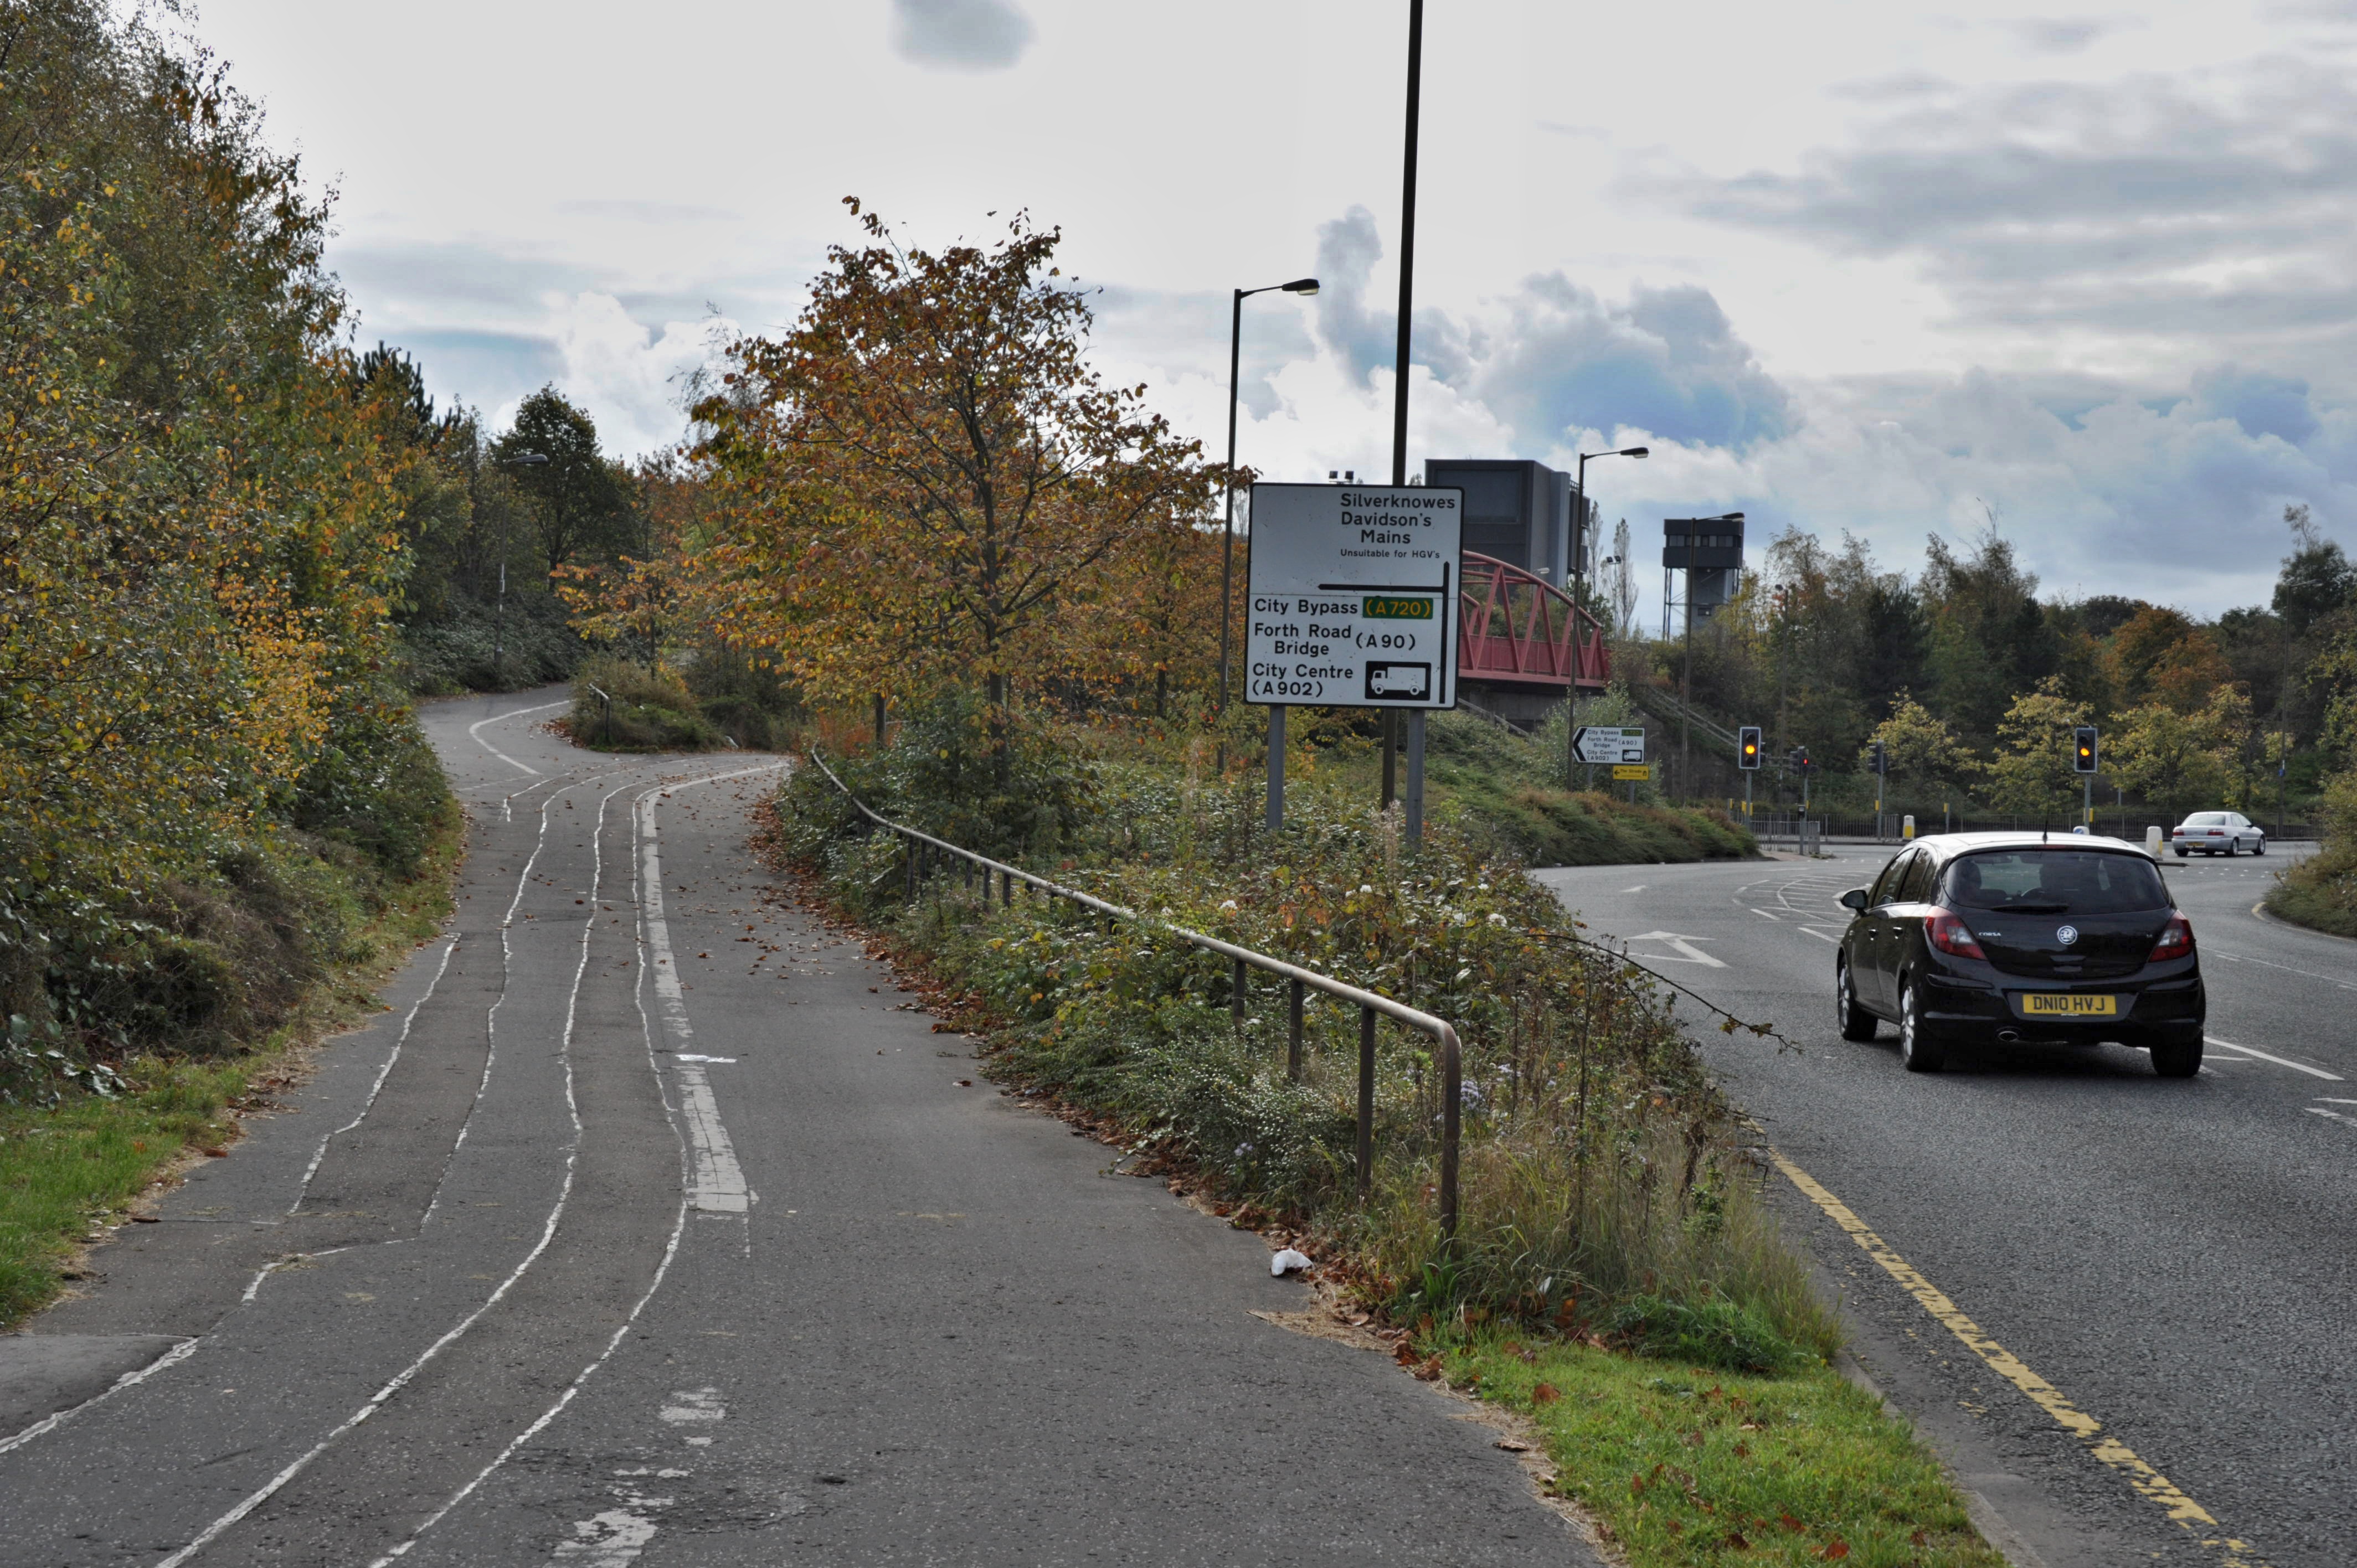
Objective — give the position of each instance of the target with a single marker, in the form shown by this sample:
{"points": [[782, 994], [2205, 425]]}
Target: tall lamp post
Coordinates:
{"points": [[1579, 602], [1305, 287], [500, 623]]}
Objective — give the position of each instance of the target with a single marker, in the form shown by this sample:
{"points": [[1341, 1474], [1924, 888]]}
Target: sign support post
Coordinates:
{"points": [[1275, 767], [1415, 797]]}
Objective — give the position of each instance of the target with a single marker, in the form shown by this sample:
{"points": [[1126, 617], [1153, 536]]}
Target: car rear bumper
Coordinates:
{"points": [[2144, 1010]]}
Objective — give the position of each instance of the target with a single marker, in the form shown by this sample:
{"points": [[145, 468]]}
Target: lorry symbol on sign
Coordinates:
{"points": [[1391, 678]]}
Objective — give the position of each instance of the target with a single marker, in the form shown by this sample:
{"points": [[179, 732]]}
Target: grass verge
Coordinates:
{"points": [[69, 1171], [1681, 1467], [2321, 892]]}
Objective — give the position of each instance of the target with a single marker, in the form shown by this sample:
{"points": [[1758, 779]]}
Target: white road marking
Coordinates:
{"points": [[2319, 1110], [368, 1105], [401, 1380], [2279, 1061], [612, 1539], [2287, 969], [1686, 952], [1639, 888], [694, 1405], [662, 1271], [475, 733], [172, 1358], [1833, 936], [716, 1181], [1765, 915]]}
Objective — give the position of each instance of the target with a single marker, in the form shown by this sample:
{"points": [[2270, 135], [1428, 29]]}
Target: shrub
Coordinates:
{"points": [[621, 706]]}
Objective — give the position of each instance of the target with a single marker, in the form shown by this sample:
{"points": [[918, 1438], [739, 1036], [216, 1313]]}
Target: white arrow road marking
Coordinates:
{"points": [[1686, 952]]}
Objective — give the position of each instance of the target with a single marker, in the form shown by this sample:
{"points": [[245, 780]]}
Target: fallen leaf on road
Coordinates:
{"points": [[1511, 1446], [1545, 1394]]}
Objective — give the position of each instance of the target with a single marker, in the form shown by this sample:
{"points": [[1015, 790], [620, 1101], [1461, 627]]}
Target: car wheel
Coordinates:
{"points": [[2177, 1059], [1919, 1049], [2259, 845], [2234, 847], [1856, 1022], [2182, 852]]}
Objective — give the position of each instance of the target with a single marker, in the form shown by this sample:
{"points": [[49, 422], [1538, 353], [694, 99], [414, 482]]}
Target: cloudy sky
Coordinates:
{"points": [[1887, 269]]}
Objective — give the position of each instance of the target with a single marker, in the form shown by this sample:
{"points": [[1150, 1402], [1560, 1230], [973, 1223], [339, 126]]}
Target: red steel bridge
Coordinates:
{"points": [[1522, 633]]}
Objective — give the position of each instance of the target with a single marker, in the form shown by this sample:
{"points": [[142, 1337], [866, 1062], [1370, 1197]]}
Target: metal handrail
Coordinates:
{"points": [[1369, 1003]]}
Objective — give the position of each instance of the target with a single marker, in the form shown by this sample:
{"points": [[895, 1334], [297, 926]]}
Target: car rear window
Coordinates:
{"points": [[2054, 881], [2206, 819]]}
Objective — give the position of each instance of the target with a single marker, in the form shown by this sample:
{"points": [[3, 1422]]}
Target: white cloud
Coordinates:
{"points": [[631, 379]]}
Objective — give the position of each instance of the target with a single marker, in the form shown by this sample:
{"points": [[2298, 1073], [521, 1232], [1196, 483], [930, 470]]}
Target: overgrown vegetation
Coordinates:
{"points": [[1601, 1167], [2321, 891], [211, 791]]}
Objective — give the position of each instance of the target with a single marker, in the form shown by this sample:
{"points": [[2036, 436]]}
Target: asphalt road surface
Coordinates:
{"points": [[650, 1224], [2168, 1259]]}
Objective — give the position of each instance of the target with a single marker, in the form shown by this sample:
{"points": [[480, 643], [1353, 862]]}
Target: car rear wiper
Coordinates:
{"points": [[2036, 908]]}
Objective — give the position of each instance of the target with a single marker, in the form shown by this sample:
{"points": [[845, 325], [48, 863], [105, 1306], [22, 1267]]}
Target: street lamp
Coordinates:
{"points": [[500, 631], [1305, 287], [1579, 599]]}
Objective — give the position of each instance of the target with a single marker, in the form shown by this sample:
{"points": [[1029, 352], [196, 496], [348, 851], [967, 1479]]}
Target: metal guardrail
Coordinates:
{"points": [[1299, 981]]}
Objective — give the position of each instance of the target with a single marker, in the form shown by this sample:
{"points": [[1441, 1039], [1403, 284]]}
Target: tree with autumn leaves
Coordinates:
{"points": [[924, 485]]}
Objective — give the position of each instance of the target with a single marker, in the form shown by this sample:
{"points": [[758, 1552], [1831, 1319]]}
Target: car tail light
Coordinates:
{"points": [[2176, 940], [2217, 832], [1951, 936]]}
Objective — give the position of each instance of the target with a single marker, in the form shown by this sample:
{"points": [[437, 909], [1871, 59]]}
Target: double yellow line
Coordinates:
{"points": [[2147, 1481]]}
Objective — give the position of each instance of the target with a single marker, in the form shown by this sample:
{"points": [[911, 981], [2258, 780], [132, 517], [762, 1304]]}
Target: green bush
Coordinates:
{"points": [[756, 708], [2321, 891], [1706, 1333], [454, 652], [621, 706]]}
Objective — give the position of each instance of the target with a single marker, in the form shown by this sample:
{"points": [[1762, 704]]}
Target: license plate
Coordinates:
{"points": [[2036, 1005]]}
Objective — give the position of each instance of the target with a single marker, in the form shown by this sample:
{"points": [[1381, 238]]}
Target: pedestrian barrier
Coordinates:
{"points": [[1299, 981]]}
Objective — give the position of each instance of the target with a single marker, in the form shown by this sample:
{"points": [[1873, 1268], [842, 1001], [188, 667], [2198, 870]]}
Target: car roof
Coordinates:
{"points": [[1946, 845]]}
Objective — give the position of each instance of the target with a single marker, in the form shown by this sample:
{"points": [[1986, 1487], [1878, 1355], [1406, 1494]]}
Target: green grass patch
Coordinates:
{"points": [[2321, 892], [1687, 1464], [70, 1166]]}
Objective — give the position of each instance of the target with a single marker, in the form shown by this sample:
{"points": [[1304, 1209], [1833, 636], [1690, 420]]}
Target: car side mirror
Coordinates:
{"points": [[1853, 900]]}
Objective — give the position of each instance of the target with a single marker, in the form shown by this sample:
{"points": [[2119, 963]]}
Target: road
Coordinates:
{"points": [[652, 1224], [2170, 1259]]}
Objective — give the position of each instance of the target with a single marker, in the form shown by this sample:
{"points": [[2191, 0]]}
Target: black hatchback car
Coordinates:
{"points": [[1974, 938]]}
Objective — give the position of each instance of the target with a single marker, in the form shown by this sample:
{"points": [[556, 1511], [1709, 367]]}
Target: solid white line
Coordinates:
{"points": [[2319, 1110], [2279, 1061], [320, 1154], [401, 1380], [716, 1184], [688, 1172], [1821, 936], [2287, 969], [172, 1358], [1765, 915], [475, 733]]}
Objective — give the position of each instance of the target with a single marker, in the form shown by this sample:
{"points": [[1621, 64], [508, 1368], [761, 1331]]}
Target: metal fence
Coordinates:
{"points": [[923, 847]]}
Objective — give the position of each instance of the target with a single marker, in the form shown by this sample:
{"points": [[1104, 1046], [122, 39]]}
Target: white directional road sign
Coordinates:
{"points": [[1597, 745], [1353, 595]]}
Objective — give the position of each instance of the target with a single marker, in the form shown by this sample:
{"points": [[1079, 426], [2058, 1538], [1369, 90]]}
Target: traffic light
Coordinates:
{"points": [[2082, 749], [1747, 747], [1880, 758], [1799, 759]]}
